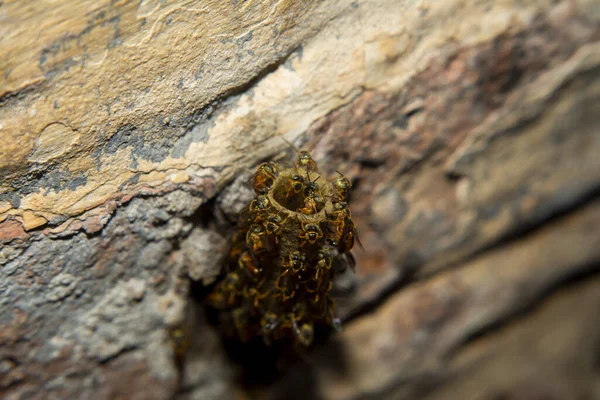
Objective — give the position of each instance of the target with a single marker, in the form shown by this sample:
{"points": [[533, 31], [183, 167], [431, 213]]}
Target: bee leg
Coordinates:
{"points": [[318, 274]]}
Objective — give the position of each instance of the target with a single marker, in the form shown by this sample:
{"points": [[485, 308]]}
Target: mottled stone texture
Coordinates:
{"points": [[470, 132]]}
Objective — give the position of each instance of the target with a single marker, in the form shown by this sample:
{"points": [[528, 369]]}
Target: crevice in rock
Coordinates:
{"points": [[10, 97], [523, 229], [246, 87], [578, 275], [545, 217], [384, 294]]}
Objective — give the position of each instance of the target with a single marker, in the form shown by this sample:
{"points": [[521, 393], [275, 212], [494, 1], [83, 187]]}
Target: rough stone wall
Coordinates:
{"points": [[470, 130]]}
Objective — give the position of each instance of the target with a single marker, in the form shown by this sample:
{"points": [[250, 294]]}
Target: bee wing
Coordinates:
{"points": [[253, 256], [350, 260], [344, 284], [251, 179], [244, 219], [358, 239], [269, 242], [342, 261], [348, 235]]}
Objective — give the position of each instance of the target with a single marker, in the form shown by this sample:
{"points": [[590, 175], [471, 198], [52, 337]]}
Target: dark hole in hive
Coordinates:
{"points": [[293, 200], [277, 368], [289, 201]]}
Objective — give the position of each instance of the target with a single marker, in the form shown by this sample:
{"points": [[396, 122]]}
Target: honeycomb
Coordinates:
{"points": [[293, 238]]}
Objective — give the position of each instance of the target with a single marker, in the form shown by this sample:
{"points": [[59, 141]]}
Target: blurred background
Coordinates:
{"points": [[470, 134]]}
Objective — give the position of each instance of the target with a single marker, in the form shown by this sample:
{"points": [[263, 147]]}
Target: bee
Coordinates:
{"points": [[255, 240], [346, 228], [256, 212], [349, 234], [341, 210], [254, 295], [310, 233], [323, 263], [296, 184], [259, 205], [304, 159], [294, 262], [226, 291], [312, 186], [268, 323], [342, 186], [313, 201], [246, 263], [264, 177], [273, 225], [312, 204], [231, 286], [303, 332], [335, 230], [338, 221]]}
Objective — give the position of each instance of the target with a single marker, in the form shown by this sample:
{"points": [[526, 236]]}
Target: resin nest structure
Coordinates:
{"points": [[293, 238]]}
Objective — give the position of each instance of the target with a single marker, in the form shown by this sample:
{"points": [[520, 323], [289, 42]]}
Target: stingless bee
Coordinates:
{"points": [[264, 177], [310, 233]]}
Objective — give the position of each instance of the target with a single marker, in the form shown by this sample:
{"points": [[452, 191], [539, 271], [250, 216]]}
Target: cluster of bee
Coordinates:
{"points": [[293, 238]]}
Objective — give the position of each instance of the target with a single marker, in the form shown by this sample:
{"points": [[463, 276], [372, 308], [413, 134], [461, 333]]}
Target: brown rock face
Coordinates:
{"points": [[469, 133]]}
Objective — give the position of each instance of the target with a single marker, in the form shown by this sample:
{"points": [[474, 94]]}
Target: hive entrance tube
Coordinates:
{"points": [[280, 266], [292, 188]]}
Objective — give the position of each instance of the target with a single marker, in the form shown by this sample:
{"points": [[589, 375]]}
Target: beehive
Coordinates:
{"points": [[292, 240]]}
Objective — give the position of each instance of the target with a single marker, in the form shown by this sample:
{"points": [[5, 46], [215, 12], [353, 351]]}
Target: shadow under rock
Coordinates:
{"points": [[300, 380], [281, 371]]}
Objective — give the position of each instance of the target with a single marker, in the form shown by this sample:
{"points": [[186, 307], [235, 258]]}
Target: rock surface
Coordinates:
{"points": [[469, 129]]}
